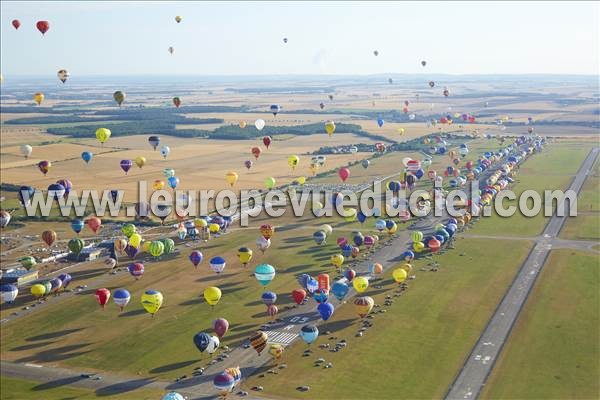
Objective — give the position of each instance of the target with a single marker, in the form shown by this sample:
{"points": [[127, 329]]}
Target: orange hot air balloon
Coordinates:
{"points": [[94, 223], [267, 231], [49, 237], [256, 152]]}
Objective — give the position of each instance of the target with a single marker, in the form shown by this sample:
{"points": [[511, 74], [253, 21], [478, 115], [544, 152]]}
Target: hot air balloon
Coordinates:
{"points": [[376, 53], [267, 139], [102, 296], [260, 124], [44, 166], [344, 173], [337, 260], [446, 93], [258, 340], [380, 121], [164, 152], [202, 341], [176, 101], [4, 218], [76, 245], [363, 305], [270, 183], [231, 178], [156, 249], [365, 163], [340, 290], [399, 275], [38, 98], [248, 164], [87, 156], [63, 75], [178, 19], [217, 264], [319, 237], [196, 257], [56, 191], [256, 152], [298, 295], [309, 333], [293, 161], [212, 295], [242, 124], [263, 244], [375, 268], [38, 290], [173, 181], [126, 165], [325, 310], [264, 274], [9, 293], [16, 23], [275, 109], [136, 270], [94, 223], [220, 326], [423, 63], [171, 50], [102, 135], [43, 26], [121, 298], [244, 255], [360, 284], [152, 301], [26, 150], [322, 105], [49, 237], [119, 97], [330, 127], [224, 383]]}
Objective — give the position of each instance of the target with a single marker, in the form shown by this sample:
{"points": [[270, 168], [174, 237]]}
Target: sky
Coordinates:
{"points": [[246, 38]]}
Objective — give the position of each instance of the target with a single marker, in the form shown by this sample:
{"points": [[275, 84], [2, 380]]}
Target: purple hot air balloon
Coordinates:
{"points": [[248, 164], [126, 165], [56, 284], [66, 279], [66, 184], [131, 251], [196, 257]]}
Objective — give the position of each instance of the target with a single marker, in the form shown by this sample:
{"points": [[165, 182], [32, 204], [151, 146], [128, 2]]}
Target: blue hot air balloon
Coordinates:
{"points": [[25, 194], [358, 239], [325, 310], [340, 290], [309, 333], [268, 298], [121, 298], [407, 255], [66, 279], [173, 182], [77, 225], [56, 191], [87, 156], [380, 225], [321, 295], [202, 340], [312, 284], [303, 280], [319, 237], [380, 121], [361, 217], [9, 293], [347, 250]]}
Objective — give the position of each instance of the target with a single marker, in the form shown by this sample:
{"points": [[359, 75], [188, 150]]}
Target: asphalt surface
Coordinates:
{"points": [[477, 367]]}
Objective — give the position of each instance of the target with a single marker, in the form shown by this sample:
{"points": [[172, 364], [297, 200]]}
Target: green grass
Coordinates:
{"points": [[582, 227], [20, 389], [554, 351], [415, 349], [550, 170]]}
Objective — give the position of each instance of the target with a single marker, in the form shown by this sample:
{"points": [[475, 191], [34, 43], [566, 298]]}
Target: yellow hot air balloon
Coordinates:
{"points": [[242, 124], [276, 350], [399, 275], [231, 178], [392, 229], [214, 228], [135, 240], [293, 161], [244, 255], [146, 246], [363, 305], [178, 18], [301, 180], [38, 98], [326, 228], [158, 184], [401, 131], [102, 135], [337, 260], [200, 223], [152, 301], [360, 284], [330, 127], [140, 161], [350, 214], [212, 295], [418, 247], [38, 290], [270, 183]]}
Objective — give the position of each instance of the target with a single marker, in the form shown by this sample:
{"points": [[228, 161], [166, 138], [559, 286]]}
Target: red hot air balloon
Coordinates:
{"points": [[94, 223], [16, 23], [43, 26], [256, 152], [220, 326], [299, 295], [102, 296], [434, 245], [344, 173], [267, 141]]}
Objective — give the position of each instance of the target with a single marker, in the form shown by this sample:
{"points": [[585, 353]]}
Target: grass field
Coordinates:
{"points": [[434, 324], [19, 389], [552, 169], [554, 351]]}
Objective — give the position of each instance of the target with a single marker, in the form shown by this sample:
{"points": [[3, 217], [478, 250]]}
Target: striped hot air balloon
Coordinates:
{"points": [[258, 340]]}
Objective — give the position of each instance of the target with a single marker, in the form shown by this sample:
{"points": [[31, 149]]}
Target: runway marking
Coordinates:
{"points": [[33, 365], [283, 338]]}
